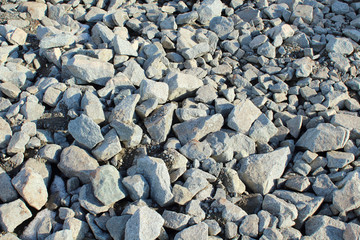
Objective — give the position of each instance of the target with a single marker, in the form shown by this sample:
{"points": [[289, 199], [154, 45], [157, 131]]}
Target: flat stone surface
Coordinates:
{"points": [[145, 223], [85, 131], [89, 202], [347, 197], [324, 227], [174, 220], [7, 191], [76, 162], [116, 226], [181, 85], [31, 186], [324, 137], [259, 171], [12, 214], [156, 174]]}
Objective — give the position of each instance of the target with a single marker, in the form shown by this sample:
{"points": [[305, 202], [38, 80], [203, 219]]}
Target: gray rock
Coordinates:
{"points": [[32, 110], [229, 211], [116, 226], [346, 120], [129, 134], [242, 145], [89, 202], [286, 212], [76, 162], [62, 234], [206, 94], [57, 40], [92, 107], [9, 236], [185, 114], [221, 26], [137, 186], [231, 230], [52, 96], [231, 181], [108, 148], [145, 223], [353, 34], [124, 111], [306, 204], [7, 191], [271, 233], [213, 226], [181, 85], [338, 159], [305, 12], [269, 167], [352, 231], [209, 9], [99, 72], [134, 72], [13, 34], [181, 194], [85, 131], [198, 231], [95, 229], [187, 18], [340, 45], [158, 124], [304, 67], [145, 108], [249, 226], [195, 150], [36, 10], [31, 186], [123, 47], [346, 198], [267, 50], [152, 89], [156, 174], [323, 186], [78, 228], [262, 129], [340, 62], [198, 128], [13, 214], [195, 184], [324, 137], [9, 89], [298, 183], [50, 153], [294, 125], [340, 7], [324, 227], [65, 213], [242, 116], [174, 220], [196, 51], [107, 185], [5, 133]]}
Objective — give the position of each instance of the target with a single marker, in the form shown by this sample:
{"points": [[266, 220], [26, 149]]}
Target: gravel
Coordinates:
{"points": [[179, 119]]}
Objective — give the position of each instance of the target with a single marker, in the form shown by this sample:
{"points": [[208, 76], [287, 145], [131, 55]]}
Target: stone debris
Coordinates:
{"points": [[179, 119]]}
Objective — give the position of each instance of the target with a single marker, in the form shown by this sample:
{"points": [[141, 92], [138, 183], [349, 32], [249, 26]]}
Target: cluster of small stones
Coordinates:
{"points": [[180, 120]]}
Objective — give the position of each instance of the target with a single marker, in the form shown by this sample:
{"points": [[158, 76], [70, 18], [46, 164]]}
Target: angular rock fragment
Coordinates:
{"points": [[89, 202], [92, 107], [7, 191], [12, 214], [145, 223], [31, 186], [209, 9], [198, 231], [116, 226], [181, 85], [107, 148], [259, 171], [324, 227], [347, 198], [324, 137], [137, 187], [5, 133]]}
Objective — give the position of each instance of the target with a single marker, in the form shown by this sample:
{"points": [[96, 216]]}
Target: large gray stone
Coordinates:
{"points": [[7, 191], [243, 116], [198, 128], [221, 26], [145, 224], [137, 186], [181, 85], [107, 185], [209, 9], [347, 197], [79, 228], [12, 214], [5, 133], [156, 174], [92, 107], [340, 45], [324, 137], [57, 40], [76, 162], [124, 110], [89, 202], [259, 171], [99, 72], [107, 148], [85, 131], [123, 47], [116, 226], [158, 124], [324, 227], [198, 231]]}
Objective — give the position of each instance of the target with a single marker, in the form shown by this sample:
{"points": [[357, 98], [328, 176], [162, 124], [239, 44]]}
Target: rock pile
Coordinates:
{"points": [[179, 119]]}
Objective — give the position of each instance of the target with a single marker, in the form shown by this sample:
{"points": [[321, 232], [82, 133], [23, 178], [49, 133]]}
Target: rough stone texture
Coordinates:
{"points": [[107, 185], [116, 226], [181, 85], [76, 162], [156, 174], [89, 202], [209, 9], [198, 231], [5, 133], [242, 116], [324, 227], [137, 187], [347, 198], [12, 214], [85, 131], [145, 223], [198, 128], [7, 191], [324, 137], [259, 171], [31, 186]]}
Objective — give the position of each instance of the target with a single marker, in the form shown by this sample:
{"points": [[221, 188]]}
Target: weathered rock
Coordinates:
{"points": [[129, 134], [195, 150], [123, 47], [347, 197], [231, 181], [90, 202], [17, 143], [124, 111], [145, 223], [116, 226], [242, 116], [340, 45], [7, 191], [107, 185], [181, 85], [108, 148], [152, 89], [57, 40], [85, 131], [158, 124], [221, 26], [92, 107], [209, 9], [259, 171], [76, 162], [62, 234], [198, 128], [137, 187], [31, 186], [79, 228], [5, 133], [198, 231], [174, 220], [156, 174], [262, 129], [249, 226], [324, 227], [12, 214], [338, 159], [346, 120], [324, 137]]}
